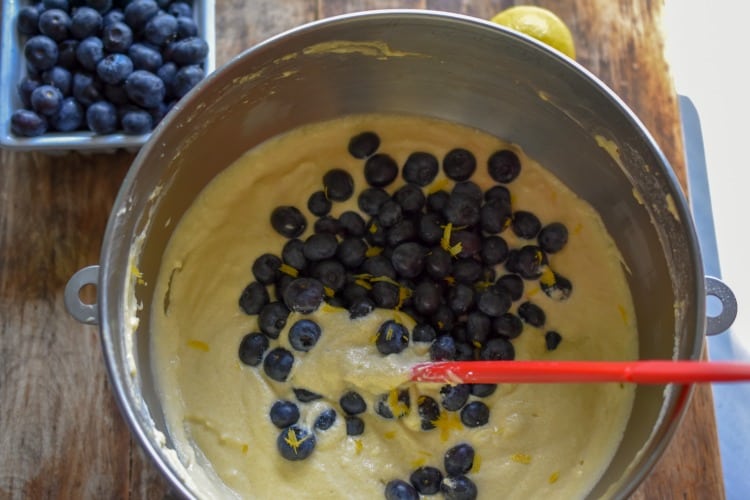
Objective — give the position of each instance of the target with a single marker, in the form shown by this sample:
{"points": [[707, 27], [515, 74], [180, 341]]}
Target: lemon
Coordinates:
{"points": [[539, 23]]}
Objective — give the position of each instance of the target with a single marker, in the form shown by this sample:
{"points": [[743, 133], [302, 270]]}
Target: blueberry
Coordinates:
{"points": [[375, 234], [408, 259], [380, 170], [325, 420], [145, 57], [454, 397], [494, 250], [507, 325], [295, 443], [113, 16], [85, 22], [429, 412], [443, 320], [477, 328], [318, 204], [459, 164], [137, 122], [532, 314], [114, 68], [144, 88], [470, 241], [352, 403], [284, 413], [398, 489], [331, 273], [389, 214], [410, 197], [253, 298], [528, 261], [352, 223], [499, 194], [304, 334], [278, 363], [160, 29], [59, 77], [46, 100], [191, 50], [266, 268], [497, 349], [355, 426], [423, 332], [66, 57], [138, 12], [475, 414], [86, 89], [292, 254], [320, 246], [371, 199], [438, 263], [512, 283], [272, 319], [427, 297], [118, 37], [504, 166], [27, 123], [559, 288], [493, 302], [101, 117], [305, 396], [462, 210], [351, 252], [288, 221], [100, 5], [443, 348], [426, 480], [438, 200], [304, 295], [379, 265], [392, 338], [483, 390], [525, 224], [553, 237], [69, 117], [360, 307], [186, 27], [180, 9], [89, 52], [420, 168], [338, 184], [552, 339], [385, 295], [495, 216], [55, 23], [252, 348], [364, 145], [167, 73], [401, 232], [458, 488], [41, 52], [27, 20], [459, 459], [467, 271], [328, 224], [186, 78]]}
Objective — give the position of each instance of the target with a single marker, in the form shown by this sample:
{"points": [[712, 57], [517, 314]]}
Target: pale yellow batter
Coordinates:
{"points": [[541, 441]]}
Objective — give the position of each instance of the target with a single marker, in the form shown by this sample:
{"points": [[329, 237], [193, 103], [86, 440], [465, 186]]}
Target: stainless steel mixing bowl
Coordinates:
{"points": [[426, 63]]}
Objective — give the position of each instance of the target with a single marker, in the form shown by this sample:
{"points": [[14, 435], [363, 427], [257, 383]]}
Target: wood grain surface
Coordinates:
{"points": [[61, 434]]}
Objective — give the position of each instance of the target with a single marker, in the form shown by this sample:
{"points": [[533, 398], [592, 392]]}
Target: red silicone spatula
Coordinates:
{"points": [[640, 372]]}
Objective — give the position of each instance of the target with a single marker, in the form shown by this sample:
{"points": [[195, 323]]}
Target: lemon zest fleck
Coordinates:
{"points": [[287, 269], [577, 229], [415, 464], [358, 446], [373, 251], [446, 422], [398, 407], [245, 448], [389, 434], [329, 292], [548, 277], [521, 458], [623, 313], [363, 283], [450, 280], [445, 241], [373, 228], [532, 292], [198, 345], [477, 464], [438, 185], [292, 440], [554, 477]]}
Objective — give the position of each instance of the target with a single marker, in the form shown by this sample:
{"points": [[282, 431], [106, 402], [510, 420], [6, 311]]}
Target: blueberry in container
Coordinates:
{"points": [[18, 25]]}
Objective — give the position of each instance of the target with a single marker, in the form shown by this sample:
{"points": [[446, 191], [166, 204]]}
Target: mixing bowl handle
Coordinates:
{"points": [[85, 313], [724, 319]]}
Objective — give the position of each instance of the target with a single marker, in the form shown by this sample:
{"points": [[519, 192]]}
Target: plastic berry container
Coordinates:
{"points": [[13, 68]]}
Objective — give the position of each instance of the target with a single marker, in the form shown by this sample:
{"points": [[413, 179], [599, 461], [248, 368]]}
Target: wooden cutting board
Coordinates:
{"points": [[61, 435]]}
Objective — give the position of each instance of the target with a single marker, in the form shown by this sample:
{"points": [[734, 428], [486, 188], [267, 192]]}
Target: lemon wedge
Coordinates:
{"points": [[539, 23]]}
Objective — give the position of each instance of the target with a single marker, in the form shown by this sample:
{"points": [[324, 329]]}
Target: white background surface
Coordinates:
{"points": [[707, 48]]}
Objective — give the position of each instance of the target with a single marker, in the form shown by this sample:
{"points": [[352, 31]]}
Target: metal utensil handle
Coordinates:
{"points": [[85, 313], [722, 321]]}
